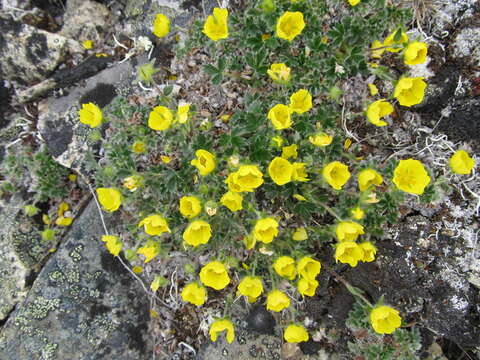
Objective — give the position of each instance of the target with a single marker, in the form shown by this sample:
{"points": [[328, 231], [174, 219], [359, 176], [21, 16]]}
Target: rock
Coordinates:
{"points": [[66, 137], [449, 14], [82, 305], [21, 254], [27, 54], [86, 20], [467, 45]]}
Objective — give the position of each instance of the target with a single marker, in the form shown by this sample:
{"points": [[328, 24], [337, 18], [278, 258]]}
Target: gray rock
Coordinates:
{"points": [[59, 125], [27, 54], [467, 45], [448, 14], [86, 20], [83, 305]]}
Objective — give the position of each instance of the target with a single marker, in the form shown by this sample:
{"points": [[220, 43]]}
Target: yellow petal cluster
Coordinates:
{"points": [[232, 201], [279, 73], [113, 244], [285, 267], [395, 46], [109, 198], [415, 53], [251, 287], [214, 275], [160, 118], [91, 115], [154, 225], [205, 162], [216, 26], [411, 176], [280, 116], [300, 234], [197, 232], [280, 171], [301, 101], [348, 231], [277, 300], [378, 110], [161, 25], [150, 250], [349, 252], [222, 325], [461, 163], [190, 206], [289, 25], [308, 268], [410, 91], [369, 251], [321, 139], [182, 113], [194, 293], [336, 174], [246, 178], [384, 319], [290, 151], [295, 333], [307, 287], [367, 178], [265, 230]]}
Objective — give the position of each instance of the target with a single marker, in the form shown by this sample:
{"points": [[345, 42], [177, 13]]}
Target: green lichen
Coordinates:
{"points": [[76, 253], [72, 275]]}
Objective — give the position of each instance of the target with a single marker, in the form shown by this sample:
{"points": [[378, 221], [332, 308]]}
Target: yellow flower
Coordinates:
{"points": [[72, 177], [373, 89], [277, 300], [90, 114], [289, 25], [113, 244], [280, 171], [376, 49], [46, 219], [195, 294], [138, 147], [232, 200], [321, 139], [62, 208], [308, 268], [377, 110], [296, 333], [411, 176], [165, 159], [369, 251], [149, 250], [251, 287], [290, 151], [182, 113], [336, 174], [265, 230], [154, 225], [299, 173], [285, 267], [205, 162], [190, 206], [347, 144], [299, 197], [219, 326], [214, 275], [348, 231], [349, 252], [64, 221], [301, 101], [384, 319], [161, 25], [137, 269], [109, 198], [216, 26], [160, 118], [367, 178], [410, 91], [197, 232], [87, 44], [279, 73], [307, 286], [357, 213], [280, 116], [415, 53], [246, 178], [132, 183], [389, 41], [249, 241], [461, 163], [300, 234], [231, 181]]}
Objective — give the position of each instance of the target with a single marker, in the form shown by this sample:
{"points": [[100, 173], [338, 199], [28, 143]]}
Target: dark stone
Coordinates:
{"points": [[5, 96], [37, 48], [59, 137], [102, 94], [54, 8], [86, 69], [310, 347], [260, 320]]}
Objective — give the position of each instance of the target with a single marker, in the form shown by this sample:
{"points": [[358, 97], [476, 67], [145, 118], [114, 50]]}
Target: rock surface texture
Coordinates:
{"points": [[83, 305]]}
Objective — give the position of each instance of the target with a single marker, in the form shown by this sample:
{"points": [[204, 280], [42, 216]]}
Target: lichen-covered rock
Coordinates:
{"points": [[86, 20], [58, 122], [83, 305], [27, 54], [21, 252], [467, 45]]}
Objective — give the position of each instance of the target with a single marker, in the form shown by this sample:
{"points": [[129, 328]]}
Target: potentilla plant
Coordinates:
{"points": [[259, 197]]}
